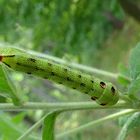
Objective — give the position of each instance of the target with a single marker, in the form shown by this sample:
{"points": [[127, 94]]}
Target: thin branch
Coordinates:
{"points": [[31, 129], [67, 105], [71, 64], [78, 66], [96, 122], [82, 67]]}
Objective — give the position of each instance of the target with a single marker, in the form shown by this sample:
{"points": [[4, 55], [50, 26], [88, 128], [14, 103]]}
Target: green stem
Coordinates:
{"points": [[78, 66], [75, 65], [125, 98], [96, 122], [94, 70], [68, 105], [31, 129], [83, 67]]}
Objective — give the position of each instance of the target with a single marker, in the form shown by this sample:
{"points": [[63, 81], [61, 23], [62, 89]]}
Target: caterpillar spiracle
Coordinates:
{"points": [[104, 93]]}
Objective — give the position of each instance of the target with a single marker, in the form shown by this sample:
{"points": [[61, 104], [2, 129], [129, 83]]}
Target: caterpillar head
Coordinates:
{"points": [[109, 96]]}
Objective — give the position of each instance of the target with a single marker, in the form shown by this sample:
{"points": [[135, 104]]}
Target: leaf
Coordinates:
{"points": [[122, 120], [123, 80], [4, 86], [7, 88], [9, 129], [134, 62], [123, 76], [132, 123], [18, 118], [134, 88], [48, 125]]}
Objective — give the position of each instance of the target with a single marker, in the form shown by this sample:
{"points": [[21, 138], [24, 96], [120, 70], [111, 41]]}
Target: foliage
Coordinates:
{"points": [[7, 88], [59, 27], [90, 32], [49, 123], [134, 72], [132, 123], [49, 120]]}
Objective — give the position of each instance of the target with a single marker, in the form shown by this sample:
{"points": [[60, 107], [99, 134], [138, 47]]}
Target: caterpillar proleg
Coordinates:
{"points": [[103, 93]]}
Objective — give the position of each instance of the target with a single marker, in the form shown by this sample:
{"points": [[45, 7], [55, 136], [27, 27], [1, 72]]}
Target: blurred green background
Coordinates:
{"points": [[96, 33]]}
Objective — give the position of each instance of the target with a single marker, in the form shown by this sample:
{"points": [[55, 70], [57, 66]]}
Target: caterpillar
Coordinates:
{"points": [[104, 93]]}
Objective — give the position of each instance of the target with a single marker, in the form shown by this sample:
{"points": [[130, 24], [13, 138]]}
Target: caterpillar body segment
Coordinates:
{"points": [[103, 93]]}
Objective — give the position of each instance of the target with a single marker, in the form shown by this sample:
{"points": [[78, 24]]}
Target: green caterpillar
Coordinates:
{"points": [[103, 93]]}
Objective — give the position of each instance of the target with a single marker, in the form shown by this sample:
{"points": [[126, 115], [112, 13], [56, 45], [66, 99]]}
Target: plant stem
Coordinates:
{"points": [[72, 64], [94, 70], [31, 129], [78, 66], [96, 122], [68, 105], [125, 98], [84, 68]]}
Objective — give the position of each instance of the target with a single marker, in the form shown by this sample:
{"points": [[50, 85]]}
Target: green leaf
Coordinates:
{"points": [[134, 62], [123, 76], [7, 128], [10, 130], [132, 123], [2, 99], [4, 86], [134, 88], [7, 88], [123, 80], [48, 125], [122, 120], [17, 119]]}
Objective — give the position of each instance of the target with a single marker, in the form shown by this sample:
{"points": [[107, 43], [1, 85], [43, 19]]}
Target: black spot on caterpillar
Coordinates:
{"points": [[92, 89], [7, 64], [113, 90], [79, 76], [102, 84], [52, 73], [94, 98], [50, 64], [68, 79], [18, 63], [45, 77], [103, 104], [82, 84], [9, 56], [31, 59], [60, 82], [103, 93], [65, 69], [29, 73]]}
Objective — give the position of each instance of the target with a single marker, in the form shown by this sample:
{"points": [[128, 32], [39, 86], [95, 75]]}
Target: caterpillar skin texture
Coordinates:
{"points": [[103, 93]]}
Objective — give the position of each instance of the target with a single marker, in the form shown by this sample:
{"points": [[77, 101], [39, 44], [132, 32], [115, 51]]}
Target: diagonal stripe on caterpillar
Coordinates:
{"points": [[102, 92]]}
